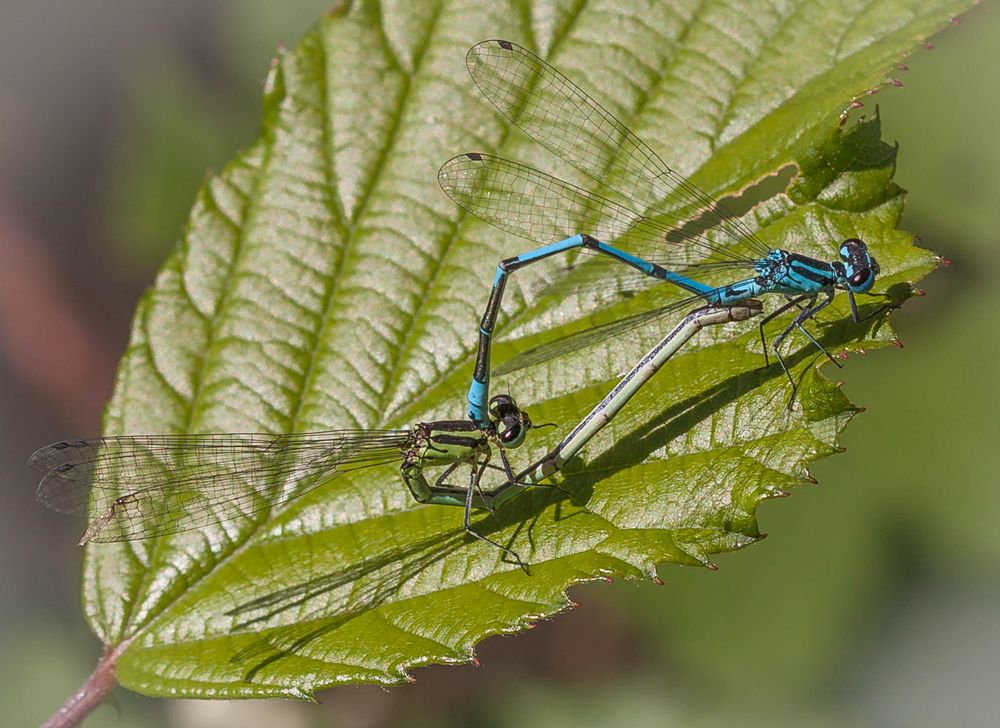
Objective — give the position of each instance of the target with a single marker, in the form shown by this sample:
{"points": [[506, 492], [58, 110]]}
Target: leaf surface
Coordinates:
{"points": [[324, 281]]}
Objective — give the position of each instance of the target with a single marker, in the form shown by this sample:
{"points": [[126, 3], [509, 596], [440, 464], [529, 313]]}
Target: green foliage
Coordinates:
{"points": [[325, 282]]}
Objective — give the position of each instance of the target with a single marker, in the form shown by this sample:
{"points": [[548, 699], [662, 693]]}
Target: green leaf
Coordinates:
{"points": [[324, 281]]}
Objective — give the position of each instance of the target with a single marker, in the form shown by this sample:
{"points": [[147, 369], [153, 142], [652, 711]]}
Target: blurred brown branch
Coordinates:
{"points": [[43, 334]]}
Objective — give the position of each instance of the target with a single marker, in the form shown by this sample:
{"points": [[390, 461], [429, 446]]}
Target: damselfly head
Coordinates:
{"points": [[860, 268], [511, 422]]}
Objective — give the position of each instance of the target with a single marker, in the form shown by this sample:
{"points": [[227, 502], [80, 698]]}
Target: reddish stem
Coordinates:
{"points": [[93, 692]]}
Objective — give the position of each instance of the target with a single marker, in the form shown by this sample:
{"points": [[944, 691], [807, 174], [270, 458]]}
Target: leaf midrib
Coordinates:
{"points": [[214, 326], [225, 298]]}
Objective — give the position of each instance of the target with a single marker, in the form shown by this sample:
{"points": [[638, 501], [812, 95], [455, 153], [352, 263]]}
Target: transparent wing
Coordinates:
{"points": [[541, 208], [592, 336], [136, 487], [562, 117]]}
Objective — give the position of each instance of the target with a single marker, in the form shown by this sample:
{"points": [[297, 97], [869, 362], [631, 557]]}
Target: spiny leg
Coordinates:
{"points": [[797, 323], [791, 303], [527, 483], [780, 338], [474, 479], [478, 479], [511, 478], [810, 313], [506, 466], [440, 482]]}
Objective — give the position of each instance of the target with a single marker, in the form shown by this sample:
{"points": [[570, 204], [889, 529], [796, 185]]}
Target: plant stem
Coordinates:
{"points": [[93, 692]]}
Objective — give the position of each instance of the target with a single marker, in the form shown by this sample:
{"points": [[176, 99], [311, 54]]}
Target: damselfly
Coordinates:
{"points": [[669, 230], [266, 606], [135, 487]]}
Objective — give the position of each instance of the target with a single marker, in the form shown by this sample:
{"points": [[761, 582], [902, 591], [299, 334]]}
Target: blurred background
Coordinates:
{"points": [[876, 598]]}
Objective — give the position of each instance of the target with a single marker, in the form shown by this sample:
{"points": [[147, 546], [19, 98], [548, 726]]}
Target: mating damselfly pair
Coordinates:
{"points": [[664, 228]]}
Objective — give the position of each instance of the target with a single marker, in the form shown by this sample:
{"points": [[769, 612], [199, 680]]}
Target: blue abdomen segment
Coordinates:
{"points": [[737, 292], [479, 393], [574, 241], [479, 390], [652, 269]]}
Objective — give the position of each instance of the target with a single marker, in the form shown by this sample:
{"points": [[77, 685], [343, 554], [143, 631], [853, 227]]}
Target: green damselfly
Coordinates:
{"points": [[133, 487]]}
